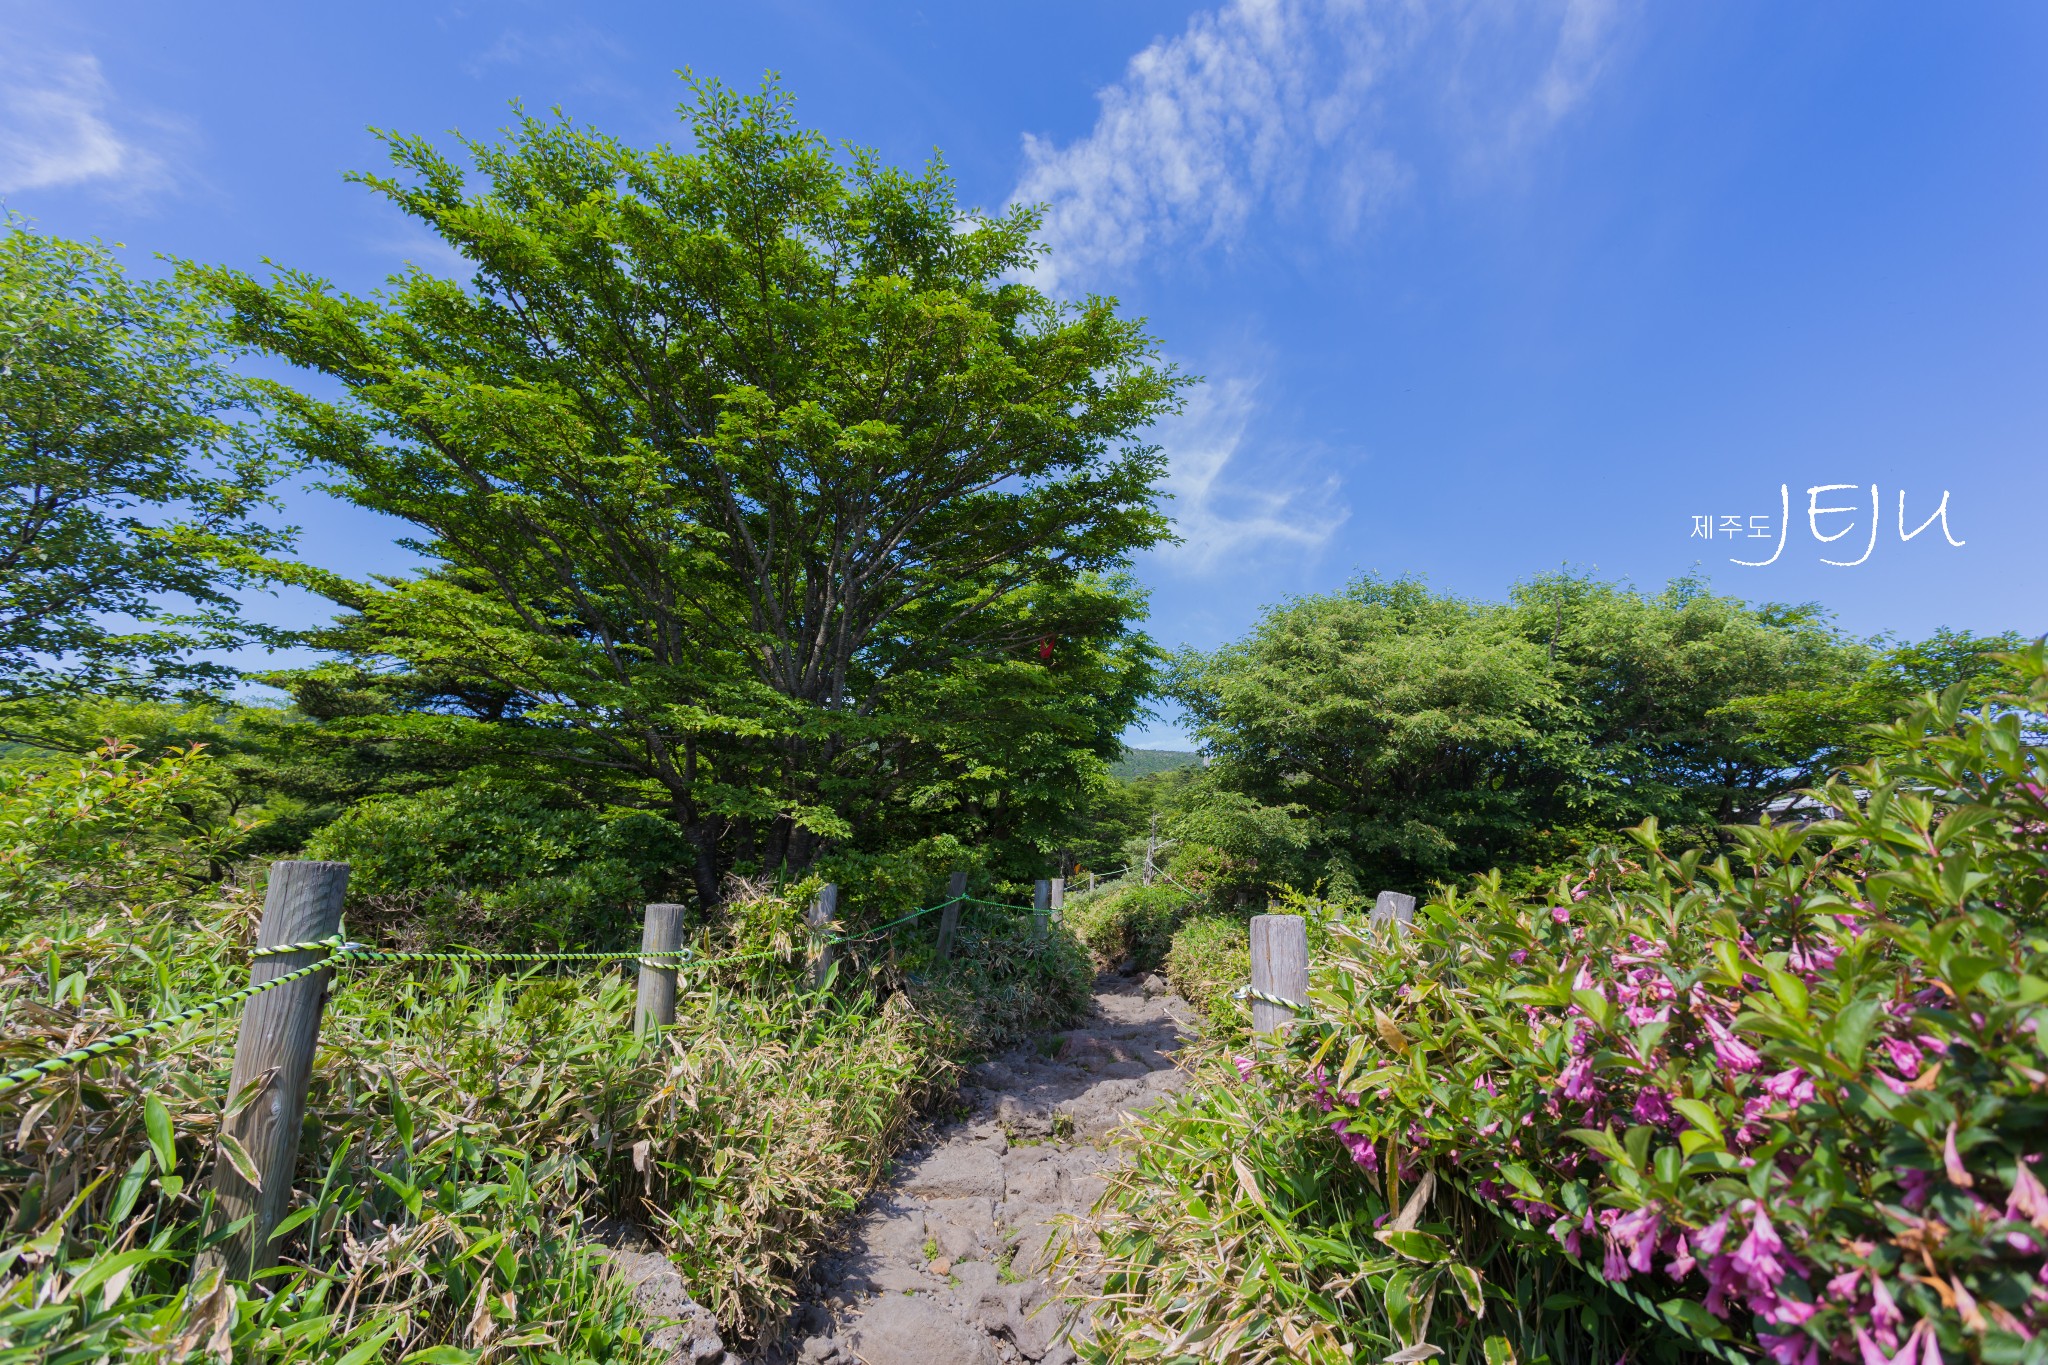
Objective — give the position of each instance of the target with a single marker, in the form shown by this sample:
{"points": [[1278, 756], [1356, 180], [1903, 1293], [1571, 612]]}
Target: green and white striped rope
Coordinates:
{"points": [[65, 1061], [1247, 993], [340, 953], [363, 950]]}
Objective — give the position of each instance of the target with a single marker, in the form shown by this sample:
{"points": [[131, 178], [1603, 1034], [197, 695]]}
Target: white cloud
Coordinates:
{"points": [[1285, 105], [1221, 517], [55, 129]]}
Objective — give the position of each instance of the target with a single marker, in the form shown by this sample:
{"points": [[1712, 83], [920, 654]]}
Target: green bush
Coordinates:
{"points": [[1241, 1233], [1798, 1101], [1211, 957], [1129, 925], [501, 865]]}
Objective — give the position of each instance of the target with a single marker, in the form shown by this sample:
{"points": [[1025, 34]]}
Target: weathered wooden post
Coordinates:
{"points": [[1058, 899], [1392, 907], [274, 1055], [660, 932], [1091, 882], [819, 917], [1279, 967], [1151, 848], [949, 918], [1041, 909]]}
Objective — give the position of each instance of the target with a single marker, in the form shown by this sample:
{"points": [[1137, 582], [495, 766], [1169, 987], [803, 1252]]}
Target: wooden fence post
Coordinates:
{"points": [[1058, 899], [1392, 907], [1091, 883], [1279, 967], [819, 917], [660, 932], [274, 1051], [1041, 909], [949, 918], [1151, 848]]}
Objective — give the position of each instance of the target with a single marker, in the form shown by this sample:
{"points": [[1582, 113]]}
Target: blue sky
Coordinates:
{"points": [[1478, 289]]}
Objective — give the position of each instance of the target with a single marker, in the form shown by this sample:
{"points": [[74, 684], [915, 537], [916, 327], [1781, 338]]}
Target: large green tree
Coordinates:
{"points": [[1391, 736], [133, 495], [757, 478]]}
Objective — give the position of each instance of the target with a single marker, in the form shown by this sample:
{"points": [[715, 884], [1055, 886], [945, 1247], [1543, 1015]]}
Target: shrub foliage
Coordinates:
{"points": [[1799, 1096]]}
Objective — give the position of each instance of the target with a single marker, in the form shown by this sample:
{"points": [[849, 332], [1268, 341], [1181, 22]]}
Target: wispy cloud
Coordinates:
{"points": [[57, 128], [1298, 106], [1222, 513]]}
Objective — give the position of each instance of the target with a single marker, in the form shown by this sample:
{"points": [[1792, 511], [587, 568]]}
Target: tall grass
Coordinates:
{"points": [[469, 1131]]}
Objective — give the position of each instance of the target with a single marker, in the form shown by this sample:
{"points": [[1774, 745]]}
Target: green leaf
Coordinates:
{"points": [[1695, 1319], [156, 1122], [1702, 1116], [239, 1158], [442, 1355], [130, 1188], [1469, 1287], [1499, 1352], [1416, 1246], [1789, 989], [1601, 1141], [371, 1348]]}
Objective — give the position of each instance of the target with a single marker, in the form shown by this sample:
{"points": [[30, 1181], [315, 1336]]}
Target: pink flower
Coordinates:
{"points": [[1759, 1260], [1635, 1233], [1519, 956], [1905, 1057], [1732, 1052], [1798, 1349], [1915, 1183], [1562, 914], [2029, 1200], [1884, 1313], [1842, 1288], [1707, 1240], [1577, 1081], [1362, 1149], [1952, 1162], [1790, 1087], [1652, 1106], [1244, 1067]]}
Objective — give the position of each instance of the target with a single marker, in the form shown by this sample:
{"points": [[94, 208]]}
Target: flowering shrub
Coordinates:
{"points": [[1802, 1096]]}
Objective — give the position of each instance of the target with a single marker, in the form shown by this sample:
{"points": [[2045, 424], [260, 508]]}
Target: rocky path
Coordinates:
{"points": [[946, 1264]]}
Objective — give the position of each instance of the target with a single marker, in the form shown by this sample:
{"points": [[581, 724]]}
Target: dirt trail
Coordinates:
{"points": [[945, 1265]]}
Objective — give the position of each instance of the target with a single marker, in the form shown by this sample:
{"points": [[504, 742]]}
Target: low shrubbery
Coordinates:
{"points": [[501, 865], [1128, 926], [1801, 1099]]}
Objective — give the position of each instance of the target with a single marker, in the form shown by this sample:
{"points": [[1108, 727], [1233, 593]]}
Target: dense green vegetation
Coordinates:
{"points": [[1389, 736], [779, 533], [1789, 1085]]}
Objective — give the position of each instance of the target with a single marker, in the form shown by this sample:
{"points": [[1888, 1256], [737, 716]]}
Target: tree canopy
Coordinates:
{"points": [[759, 484], [1392, 736], [133, 489]]}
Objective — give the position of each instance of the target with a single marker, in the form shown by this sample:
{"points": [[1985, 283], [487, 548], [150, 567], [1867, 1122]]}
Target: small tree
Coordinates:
{"points": [[758, 477], [129, 512]]}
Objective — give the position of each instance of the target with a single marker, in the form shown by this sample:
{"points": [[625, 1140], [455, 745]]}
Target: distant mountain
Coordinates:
{"points": [[1145, 762]]}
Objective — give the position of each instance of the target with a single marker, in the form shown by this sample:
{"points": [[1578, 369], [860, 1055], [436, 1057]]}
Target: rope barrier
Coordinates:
{"points": [[340, 953], [65, 1061]]}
